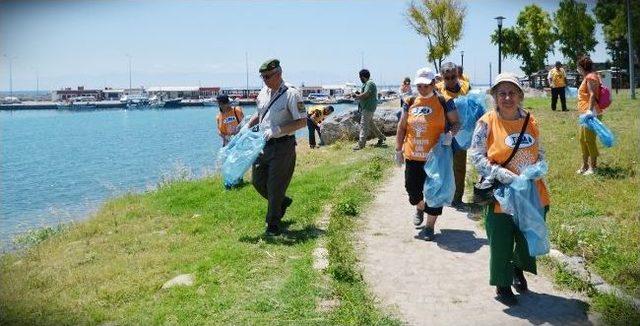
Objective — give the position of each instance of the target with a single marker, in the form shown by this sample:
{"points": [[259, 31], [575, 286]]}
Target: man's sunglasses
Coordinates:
{"points": [[267, 77]]}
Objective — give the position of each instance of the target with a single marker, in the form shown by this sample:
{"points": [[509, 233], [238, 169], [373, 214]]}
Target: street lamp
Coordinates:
{"points": [[462, 58], [499, 19]]}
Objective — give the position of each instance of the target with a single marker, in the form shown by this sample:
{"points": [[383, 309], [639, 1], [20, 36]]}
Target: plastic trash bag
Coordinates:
{"points": [[470, 108], [440, 184], [521, 200], [572, 92], [594, 124], [236, 158]]}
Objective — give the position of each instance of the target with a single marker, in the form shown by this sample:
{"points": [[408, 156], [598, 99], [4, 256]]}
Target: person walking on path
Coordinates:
{"points": [[558, 80], [452, 87], [498, 156], [315, 115], [588, 102], [228, 120], [280, 112], [423, 119], [368, 98]]}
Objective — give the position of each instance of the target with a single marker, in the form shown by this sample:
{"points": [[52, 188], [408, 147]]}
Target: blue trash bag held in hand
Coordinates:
{"points": [[594, 124], [521, 200], [440, 184], [237, 157], [470, 108]]}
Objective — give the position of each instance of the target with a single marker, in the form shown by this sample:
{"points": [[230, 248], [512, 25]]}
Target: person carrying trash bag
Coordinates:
{"points": [[506, 141], [424, 118], [280, 112], [229, 119], [451, 87]]}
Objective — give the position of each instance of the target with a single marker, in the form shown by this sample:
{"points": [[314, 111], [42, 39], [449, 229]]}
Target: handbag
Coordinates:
{"points": [[482, 190]]}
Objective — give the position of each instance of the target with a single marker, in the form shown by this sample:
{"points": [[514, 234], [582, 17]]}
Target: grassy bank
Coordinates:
{"points": [[111, 267], [596, 217]]}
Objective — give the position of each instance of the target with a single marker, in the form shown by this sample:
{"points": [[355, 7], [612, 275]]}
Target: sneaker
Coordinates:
{"points": [[272, 231], [519, 282], [286, 202], [506, 296], [357, 148], [589, 172], [458, 205], [418, 217], [428, 235], [381, 141], [581, 171]]}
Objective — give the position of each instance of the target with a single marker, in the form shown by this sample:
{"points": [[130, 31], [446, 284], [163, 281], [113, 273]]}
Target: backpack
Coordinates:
{"points": [[604, 97]]}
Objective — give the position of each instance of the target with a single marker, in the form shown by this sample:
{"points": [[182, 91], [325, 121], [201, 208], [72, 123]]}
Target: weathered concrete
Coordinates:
{"points": [[446, 282]]}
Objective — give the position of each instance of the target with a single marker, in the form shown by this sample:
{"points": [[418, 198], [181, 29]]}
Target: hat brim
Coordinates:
{"points": [[493, 88], [422, 81]]}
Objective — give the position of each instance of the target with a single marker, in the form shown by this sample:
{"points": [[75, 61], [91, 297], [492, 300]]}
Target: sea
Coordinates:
{"points": [[59, 166]]}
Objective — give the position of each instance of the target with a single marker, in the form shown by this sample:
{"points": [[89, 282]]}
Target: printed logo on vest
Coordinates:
{"points": [[229, 119], [421, 110], [527, 140]]}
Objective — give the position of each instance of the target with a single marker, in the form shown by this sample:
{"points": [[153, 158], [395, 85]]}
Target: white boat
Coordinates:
{"points": [[135, 100], [82, 103]]}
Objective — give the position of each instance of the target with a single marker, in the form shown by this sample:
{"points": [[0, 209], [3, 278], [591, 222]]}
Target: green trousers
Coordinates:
{"points": [[503, 234], [459, 172]]}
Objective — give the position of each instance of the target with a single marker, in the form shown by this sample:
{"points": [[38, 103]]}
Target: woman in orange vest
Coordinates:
{"points": [[228, 120], [588, 101], [492, 145], [423, 119]]}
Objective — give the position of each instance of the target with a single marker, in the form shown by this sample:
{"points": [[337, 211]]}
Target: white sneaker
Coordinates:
{"points": [[588, 172], [581, 171]]}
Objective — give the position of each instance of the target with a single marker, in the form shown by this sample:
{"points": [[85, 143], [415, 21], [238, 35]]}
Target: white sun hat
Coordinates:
{"points": [[424, 76]]}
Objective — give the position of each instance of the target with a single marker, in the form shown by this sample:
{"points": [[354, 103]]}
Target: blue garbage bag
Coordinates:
{"points": [[521, 200], [440, 184], [572, 92], [470, 108], [594, 124], [237, 157]]}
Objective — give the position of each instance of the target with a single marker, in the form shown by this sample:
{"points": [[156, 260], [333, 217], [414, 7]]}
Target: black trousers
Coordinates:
{"points": [[554, 98], [313, 128], [414, 178], [272, 172]]}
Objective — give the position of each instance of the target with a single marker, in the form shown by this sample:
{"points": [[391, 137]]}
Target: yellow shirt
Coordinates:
{"points": [[503, 135], [448, 95], [316, 113], [425, 123], [558, 78], [228, 121]]}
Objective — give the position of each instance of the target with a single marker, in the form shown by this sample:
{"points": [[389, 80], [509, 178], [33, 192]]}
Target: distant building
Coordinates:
{"points": [[186, 92], [251, 93], [67, 94], [111, 94]]}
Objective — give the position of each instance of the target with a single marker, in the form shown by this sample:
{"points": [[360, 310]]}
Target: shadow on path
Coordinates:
{"points": [[459, 241], [540, 308]]}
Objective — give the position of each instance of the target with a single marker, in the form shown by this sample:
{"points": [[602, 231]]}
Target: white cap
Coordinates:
{"points": [[424, 76], [506, 77]]}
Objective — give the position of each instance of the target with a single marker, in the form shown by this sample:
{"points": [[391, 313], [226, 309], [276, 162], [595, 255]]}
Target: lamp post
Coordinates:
{"points": [[462, 59], [499, 19]]}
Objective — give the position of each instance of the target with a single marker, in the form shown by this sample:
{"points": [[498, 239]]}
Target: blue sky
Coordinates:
{"points": [[182, 43]]}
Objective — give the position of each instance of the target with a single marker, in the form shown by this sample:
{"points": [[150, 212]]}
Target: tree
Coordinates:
{"points": [[612, 14], [441, 22], [531, 39], [575, 30]]}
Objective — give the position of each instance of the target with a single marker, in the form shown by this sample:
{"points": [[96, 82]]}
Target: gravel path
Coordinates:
{"points": [[446, 282]]}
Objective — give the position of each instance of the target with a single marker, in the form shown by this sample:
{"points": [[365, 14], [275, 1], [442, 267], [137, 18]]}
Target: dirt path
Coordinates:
{"points": [[446, 282]]}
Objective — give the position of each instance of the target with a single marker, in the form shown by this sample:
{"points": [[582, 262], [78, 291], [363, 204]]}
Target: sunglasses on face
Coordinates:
{"points": [[422, 86], [267, 76], [504, 94], [450, 77]]}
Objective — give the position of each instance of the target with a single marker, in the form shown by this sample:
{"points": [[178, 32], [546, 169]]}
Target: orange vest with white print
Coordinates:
{"points": [[502, 137], [228, 121], [425, 123], [583, 93]]}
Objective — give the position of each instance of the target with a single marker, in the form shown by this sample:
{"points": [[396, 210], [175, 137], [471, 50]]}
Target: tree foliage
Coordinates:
{"points": [[612, 14], [575, 30], [441, 23], [531, 39]]}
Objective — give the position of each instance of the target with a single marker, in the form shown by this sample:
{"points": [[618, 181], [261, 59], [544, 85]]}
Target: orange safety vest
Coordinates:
{"points": [[502, 137], [425, 122], [228, 121], [583, 93]]}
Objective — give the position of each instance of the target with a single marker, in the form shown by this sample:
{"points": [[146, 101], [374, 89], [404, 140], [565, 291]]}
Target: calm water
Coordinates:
{"points": [[58, 166]]}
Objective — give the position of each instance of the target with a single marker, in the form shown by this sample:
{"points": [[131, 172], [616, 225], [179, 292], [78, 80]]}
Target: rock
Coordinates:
{"points": [[180, 280], [344, 125]]}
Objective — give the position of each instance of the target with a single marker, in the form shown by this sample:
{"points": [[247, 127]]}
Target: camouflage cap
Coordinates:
{"points": [[270, 65]]}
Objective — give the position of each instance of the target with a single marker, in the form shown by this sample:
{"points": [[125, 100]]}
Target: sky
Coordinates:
{"points": [[56, 44]]}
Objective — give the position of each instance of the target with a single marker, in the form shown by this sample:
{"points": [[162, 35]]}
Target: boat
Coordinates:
{"points": [[82, 103], [172, 103], [135, 100]]}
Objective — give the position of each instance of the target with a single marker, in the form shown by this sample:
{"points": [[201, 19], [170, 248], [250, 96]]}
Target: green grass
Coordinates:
{"points": [[111, 267], [596, 217]]}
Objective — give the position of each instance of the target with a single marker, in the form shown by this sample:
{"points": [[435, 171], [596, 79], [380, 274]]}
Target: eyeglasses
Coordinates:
{"points": [[422, 85], [450, 77], [504, 94], [266, 77]]}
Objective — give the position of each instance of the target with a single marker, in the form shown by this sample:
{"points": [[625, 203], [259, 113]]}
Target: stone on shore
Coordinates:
{"points": [[180, 280], [344, 125]]}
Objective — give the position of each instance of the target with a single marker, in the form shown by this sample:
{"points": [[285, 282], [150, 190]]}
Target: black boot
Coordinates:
{"points": [[505, 296], [519, 282]]}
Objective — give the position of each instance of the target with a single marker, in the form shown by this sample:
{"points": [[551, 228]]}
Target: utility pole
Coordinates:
{"points": [[490, 74], [632, 75]]}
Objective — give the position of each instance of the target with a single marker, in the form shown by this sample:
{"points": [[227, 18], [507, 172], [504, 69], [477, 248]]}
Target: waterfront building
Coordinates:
{"points": [[250, 93], [185, 92], [67, 94]]}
